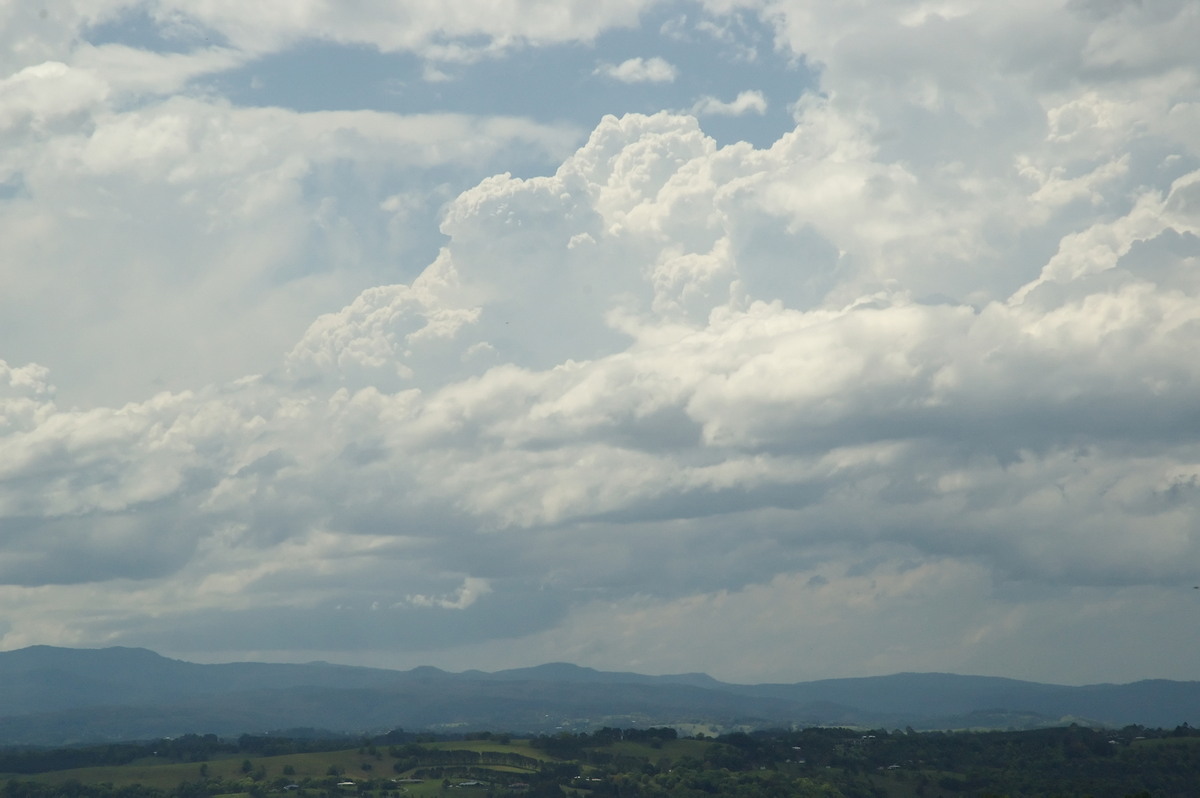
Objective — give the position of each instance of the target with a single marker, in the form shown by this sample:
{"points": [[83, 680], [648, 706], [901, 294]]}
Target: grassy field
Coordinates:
{"points": [[521, 747], [316, 766], [1166, 741], [351, 765], [670, 749], [320, 772]]}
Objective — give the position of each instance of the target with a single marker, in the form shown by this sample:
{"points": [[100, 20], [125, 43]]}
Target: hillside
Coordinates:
{"points": [[56, 695]]}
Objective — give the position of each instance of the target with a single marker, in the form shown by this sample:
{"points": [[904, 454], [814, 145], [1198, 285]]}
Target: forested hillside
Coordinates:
{"points": [[57, 696]]}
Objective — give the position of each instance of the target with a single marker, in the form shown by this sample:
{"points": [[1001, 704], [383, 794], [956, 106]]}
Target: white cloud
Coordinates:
{"points": [[747, 102], [38, 96], [466, 595], [930, 354], [424, 28], [136, 72], [208, 236], [639, 70], [884, 421]]}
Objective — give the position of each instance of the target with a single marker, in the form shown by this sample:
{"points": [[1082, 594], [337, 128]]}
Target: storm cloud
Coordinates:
{"points": [[912, 387]]}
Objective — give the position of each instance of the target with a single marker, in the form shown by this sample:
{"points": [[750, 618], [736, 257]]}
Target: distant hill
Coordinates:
{"points": [[54, 696]]}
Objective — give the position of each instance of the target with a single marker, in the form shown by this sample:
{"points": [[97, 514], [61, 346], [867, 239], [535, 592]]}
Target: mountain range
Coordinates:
{"points": [[56, 696]]}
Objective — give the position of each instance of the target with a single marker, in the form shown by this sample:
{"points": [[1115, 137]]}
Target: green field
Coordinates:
{"points": [[517, 746], [315, 766], [672, 750], [312, 770], [805, 763]]}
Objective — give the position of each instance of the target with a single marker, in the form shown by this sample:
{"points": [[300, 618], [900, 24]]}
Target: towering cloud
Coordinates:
{"points": [[912, 388]]}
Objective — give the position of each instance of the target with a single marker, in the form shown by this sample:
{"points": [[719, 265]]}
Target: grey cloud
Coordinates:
{"points": [[886, 373], [355, 624], [673, 392], [96, 548]]}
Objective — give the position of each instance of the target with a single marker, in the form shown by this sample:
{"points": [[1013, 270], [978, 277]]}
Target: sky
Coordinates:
{"points": [[775, 339]]}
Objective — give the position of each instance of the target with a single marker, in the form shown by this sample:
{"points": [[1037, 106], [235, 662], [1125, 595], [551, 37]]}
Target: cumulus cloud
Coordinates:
{"points": [[639, 70], [699, 399], [927, 356], [747, 102], [186, 223]]}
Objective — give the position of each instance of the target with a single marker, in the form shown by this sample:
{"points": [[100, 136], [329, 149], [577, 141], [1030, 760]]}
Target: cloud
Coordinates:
{"points": [[747, 102], [41, 95], [928, 355], [639, 70], [906, 615], [441, 31], [698, 406], [185, 223], [466, 595], [136, 72]]}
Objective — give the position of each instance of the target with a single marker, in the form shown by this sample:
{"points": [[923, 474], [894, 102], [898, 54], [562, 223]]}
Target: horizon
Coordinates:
{"points": [[774, 339], [572, 665]]}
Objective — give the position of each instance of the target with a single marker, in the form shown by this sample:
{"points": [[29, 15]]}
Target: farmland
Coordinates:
{"points": [[630, 763]]}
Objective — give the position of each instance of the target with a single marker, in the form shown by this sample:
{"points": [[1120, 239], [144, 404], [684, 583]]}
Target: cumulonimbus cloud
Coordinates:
{"points": [[933, 343]]}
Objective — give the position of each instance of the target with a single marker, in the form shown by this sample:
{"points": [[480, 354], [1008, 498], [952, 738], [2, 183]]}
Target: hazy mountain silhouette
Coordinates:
{"points": [[57, 695]]}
